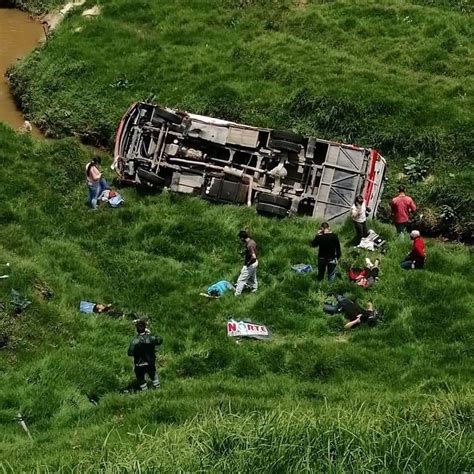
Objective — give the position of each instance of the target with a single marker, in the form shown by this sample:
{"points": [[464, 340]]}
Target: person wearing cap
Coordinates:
{"points": [[416, 258], [142, 349], [248, 273], [402, 205], [329, 252]]}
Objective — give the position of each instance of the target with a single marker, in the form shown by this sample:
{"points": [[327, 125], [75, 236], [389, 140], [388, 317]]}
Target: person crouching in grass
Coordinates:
{"points": [[416, 258], [142, 349]]}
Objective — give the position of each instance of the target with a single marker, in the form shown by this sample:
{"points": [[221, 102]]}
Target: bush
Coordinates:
{"points": [[416, 168]]}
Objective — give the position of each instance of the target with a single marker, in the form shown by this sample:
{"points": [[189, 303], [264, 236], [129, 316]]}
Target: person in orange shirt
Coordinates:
{"points": [[402, 205]]}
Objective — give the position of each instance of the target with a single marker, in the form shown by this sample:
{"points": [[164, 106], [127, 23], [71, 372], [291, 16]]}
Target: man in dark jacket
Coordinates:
{"points": [[329, 251], [142, 349]]}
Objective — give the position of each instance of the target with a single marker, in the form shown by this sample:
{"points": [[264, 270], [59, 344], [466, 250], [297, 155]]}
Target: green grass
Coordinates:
{"points": [[396, 75], [37, 7], [395, 398]]}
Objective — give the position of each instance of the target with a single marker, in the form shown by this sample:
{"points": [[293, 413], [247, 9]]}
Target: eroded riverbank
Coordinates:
{"points": [[19, 34]]}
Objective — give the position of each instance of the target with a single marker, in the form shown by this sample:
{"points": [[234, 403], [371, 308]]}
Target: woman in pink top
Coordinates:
{"points": [[95, 183]]}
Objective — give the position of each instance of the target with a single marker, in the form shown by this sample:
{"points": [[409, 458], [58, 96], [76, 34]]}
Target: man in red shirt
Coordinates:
{"points": [[416, 258], [402, 205]]}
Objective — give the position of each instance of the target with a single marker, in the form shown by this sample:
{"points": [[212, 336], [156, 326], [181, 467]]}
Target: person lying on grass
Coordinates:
{"points": [[216, 290], [352, 311], [367, 276]]}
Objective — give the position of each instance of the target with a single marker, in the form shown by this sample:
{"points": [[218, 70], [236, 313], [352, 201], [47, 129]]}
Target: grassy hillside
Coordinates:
{"points": [[395, 398], [397, 75]]}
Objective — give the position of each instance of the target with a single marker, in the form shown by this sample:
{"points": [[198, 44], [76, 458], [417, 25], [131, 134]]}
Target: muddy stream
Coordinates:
{"points": [[19, 34]]}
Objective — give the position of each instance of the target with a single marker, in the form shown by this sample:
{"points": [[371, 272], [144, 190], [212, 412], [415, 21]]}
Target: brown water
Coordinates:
{"points": [[19, 34]]}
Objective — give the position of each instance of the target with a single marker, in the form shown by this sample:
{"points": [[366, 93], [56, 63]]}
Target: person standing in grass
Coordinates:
{"points": [[359, 217], [142, 349], [329, 252], [402, 205], [416, 258], [248, 273], [95, 182]]}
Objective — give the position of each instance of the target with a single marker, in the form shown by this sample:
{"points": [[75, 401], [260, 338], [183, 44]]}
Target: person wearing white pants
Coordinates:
{"points": [[247, 279], [248, 273]]}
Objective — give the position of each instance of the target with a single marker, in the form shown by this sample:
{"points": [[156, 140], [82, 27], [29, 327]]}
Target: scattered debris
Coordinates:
{"points": [[19, 302], [372, 241], [22, 422], [26, 127], [44, 290], [302, 268], [52, 20], [4, 265], [94, 11], [247, 329], [112, 198], [122, 83], [93, 398]]}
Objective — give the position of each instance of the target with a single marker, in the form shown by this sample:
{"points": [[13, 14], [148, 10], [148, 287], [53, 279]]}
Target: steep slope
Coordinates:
{"points": [[395, 74], [397, 397]]}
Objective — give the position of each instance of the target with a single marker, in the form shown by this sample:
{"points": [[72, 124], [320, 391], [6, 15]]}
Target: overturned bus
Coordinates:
{"points": [[281, 172]]}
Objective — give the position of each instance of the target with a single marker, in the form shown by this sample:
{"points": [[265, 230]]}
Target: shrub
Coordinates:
{"points": [[417, 167]]}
